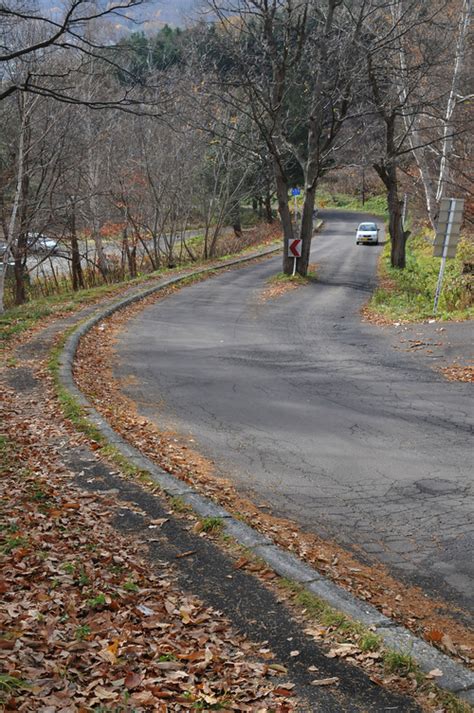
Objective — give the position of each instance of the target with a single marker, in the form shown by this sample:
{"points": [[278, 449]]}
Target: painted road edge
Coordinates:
{"points": [[456, 678]]}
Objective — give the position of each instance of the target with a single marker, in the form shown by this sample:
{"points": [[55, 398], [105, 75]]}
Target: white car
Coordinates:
{"points": [[42, 244], [3, 250], [367, 233]]}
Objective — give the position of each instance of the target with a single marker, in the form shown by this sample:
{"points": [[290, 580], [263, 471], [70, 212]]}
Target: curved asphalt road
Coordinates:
{"points": [[316, 413]]}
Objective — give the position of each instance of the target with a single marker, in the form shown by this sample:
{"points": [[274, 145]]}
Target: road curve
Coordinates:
{"points": [[306, 407]]}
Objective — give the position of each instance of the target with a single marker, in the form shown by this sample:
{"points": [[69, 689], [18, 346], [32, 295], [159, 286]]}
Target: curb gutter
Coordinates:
{"points": [[456, 678]]}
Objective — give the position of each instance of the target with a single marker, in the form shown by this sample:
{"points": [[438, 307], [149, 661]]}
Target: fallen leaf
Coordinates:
{"points": [[434, 635], [277, 667], [133, 680], [325, 681], [241, 562], [448, 644], [104, 694]]}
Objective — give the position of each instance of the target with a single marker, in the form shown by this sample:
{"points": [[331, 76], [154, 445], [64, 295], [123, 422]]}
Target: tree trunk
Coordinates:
{"points": [[214, 238], [21, 250], [387, 170], [131, 254], [16, 202], [3, 275], [76, 267], [101, 257], [132, 262], [268, 207], [19, 269], [306, 231], [398, 235], [285, 217], [235, 219]]}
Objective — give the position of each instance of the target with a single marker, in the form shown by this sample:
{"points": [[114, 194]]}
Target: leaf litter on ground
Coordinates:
{"points": [[86, 622]]}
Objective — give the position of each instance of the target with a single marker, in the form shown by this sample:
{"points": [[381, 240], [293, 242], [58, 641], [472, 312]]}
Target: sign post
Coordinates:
{"points": [[294, 250], [295, 192], [447, 236], [294, 247]]}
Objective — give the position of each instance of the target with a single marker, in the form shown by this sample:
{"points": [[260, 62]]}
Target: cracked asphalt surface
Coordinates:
{"points": [[335, 423]]}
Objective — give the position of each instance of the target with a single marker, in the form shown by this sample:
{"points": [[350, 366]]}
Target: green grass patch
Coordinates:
{"points": [[113, 454], [75, 413], [376, 205], [321, 612], [369, 641], [203, 705], [82, 579], [450, 703], [249, 218], [400, 663], [82, 632], [130, 586], [98, 601], [179, 505], [9, 684], [71, 408], [408, 295], [211, 524], [324, 614], [196, 242], [283, 278], [17, 320], [8, 544]]}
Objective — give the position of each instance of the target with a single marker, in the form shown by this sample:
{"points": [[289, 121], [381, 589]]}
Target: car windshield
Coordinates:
{"points": [[367, 226]]}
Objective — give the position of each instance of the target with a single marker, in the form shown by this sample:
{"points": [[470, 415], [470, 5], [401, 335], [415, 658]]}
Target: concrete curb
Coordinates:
{"points": [[456, 678]]}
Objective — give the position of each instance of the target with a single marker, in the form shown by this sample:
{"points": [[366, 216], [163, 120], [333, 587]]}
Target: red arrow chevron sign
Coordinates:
{"points": [[294, 248]]}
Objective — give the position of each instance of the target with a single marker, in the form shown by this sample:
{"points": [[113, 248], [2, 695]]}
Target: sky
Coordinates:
{"points": [[161, 12], [152, 15]]}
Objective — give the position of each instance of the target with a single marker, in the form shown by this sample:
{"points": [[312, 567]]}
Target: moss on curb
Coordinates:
{"points": [[402, 664]]}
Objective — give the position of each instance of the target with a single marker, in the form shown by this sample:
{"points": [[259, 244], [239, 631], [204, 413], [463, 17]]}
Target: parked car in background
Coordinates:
{"points": [[42, 244], [367, 233], [3, 250]]}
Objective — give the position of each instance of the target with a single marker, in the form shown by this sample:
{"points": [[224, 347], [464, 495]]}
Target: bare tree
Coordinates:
{"points": [[405, 95], [432, 135], [34, 130], [151, 180], [30, 36], [290, 67]]}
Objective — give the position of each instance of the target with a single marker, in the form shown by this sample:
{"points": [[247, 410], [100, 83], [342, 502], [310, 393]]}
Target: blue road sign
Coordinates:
{"points": [[295, 192]]}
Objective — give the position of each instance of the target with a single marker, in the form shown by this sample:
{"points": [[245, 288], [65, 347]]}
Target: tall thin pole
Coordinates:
{"points": [[404, 214], [452, 206]]}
